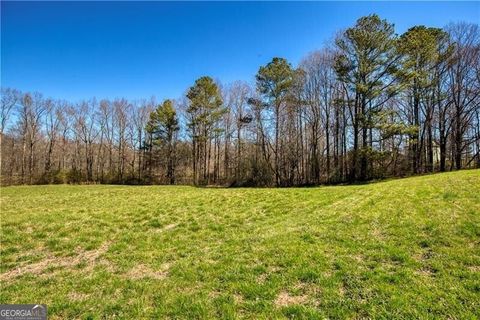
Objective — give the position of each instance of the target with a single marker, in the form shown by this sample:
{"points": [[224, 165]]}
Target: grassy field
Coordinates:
{"points": [[406, 248]]}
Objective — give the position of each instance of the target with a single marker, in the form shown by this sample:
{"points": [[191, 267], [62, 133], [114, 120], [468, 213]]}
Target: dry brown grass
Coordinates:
{"points": [[285, 299], [89, 257]]}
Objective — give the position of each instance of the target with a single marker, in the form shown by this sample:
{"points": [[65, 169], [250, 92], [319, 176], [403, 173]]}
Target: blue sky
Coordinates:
{"points": [[75, 50]]}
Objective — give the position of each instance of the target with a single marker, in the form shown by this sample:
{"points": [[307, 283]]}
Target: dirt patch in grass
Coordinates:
{"points": [[88, 257], [425, 272], [262, 278], [142, 271], [214, 294], [474, 268], [424, 255], [284, 299], [77, 296], [238, 298], [167, 227]]}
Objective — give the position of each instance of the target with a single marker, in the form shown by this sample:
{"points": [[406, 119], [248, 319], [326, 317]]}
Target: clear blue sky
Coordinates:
{"points": [[77, 50]]}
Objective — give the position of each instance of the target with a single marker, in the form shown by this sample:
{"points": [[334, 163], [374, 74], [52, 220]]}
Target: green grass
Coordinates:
{"points": [[406, 248]]}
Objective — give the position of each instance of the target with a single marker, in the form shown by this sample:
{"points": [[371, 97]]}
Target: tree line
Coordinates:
{"points": [[371, 104]]}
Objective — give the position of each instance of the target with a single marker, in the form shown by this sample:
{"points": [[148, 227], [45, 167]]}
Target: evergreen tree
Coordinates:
{"points": [[367, 63], [274, 82], [423, 50], [204, 111], [162, 128]]}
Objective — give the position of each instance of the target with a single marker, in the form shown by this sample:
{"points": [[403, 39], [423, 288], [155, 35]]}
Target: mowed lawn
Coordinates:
{"points": [[407, 248]]}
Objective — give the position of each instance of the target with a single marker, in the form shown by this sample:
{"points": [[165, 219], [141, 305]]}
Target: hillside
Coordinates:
{"points": [[405, 248]]}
